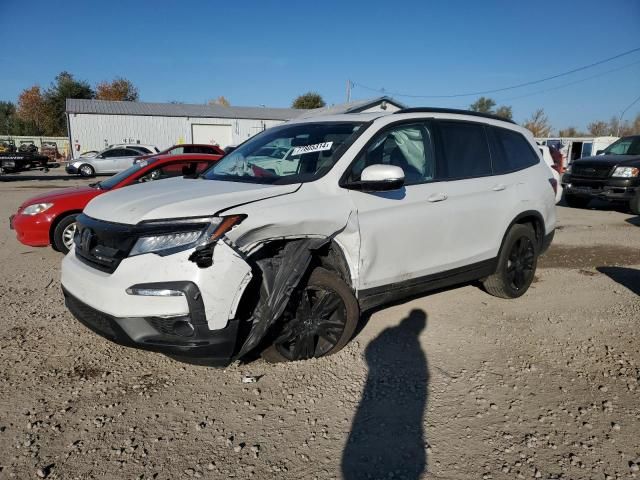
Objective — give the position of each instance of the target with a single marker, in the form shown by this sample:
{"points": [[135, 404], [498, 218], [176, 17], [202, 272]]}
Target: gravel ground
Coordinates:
{"points": [[453, 385]]}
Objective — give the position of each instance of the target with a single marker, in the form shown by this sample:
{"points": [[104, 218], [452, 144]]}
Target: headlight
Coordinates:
{"points": [[626, 172], [167, 243], [36, 208], [568, 169]]}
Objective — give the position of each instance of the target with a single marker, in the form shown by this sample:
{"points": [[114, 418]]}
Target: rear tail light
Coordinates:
{"points": [[554, 185]]}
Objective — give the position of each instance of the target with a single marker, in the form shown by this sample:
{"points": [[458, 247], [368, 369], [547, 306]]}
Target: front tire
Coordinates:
{"points": [[323, 315], [86, 171], [63, 234], [516, 264], [576, 201]]}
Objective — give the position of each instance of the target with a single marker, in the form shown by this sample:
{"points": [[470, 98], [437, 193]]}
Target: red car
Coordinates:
{"points": [[49, 219], [186, 148]]}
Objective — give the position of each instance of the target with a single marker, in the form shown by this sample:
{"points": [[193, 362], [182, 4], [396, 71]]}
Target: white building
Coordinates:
{"points": [[95, 124]]}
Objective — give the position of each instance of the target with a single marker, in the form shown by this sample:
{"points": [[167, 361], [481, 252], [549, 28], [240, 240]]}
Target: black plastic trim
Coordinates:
{"points": [[377, 296]]}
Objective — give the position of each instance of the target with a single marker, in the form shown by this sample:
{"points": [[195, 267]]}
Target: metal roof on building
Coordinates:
{"points": [[105, 107], [355, 106]]}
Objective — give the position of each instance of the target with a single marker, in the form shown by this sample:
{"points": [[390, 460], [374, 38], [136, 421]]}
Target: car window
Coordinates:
{"points": [[199, 149], [115, 152], [312, 150], [510, 151], [169, 170], [408, 146], [465, 149], [129, 152], [177, 151], [145, 150]]}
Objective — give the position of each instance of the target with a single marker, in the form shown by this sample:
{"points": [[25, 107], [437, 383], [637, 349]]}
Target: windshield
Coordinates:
{"points": [[111, 182], [624, 146], [287, 154]]}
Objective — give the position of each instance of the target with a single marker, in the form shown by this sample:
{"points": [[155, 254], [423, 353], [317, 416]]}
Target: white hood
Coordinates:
{"points": [[176, 198]]}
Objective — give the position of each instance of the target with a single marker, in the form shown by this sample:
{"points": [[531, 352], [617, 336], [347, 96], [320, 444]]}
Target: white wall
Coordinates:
{"points": [[95, 131]]}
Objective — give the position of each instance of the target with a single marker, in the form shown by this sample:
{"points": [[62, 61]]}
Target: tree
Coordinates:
{"points": [[504, 111], [308, 101], [483, 105], [118, 89], [570, 132], [486, 104], [221, 100], [32, 111], [598, 129], [538, 124], [7, 118], [55, 97]]}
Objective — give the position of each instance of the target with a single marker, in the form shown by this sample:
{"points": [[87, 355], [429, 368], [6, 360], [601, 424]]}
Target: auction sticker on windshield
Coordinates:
{"points": [[318, 147]]}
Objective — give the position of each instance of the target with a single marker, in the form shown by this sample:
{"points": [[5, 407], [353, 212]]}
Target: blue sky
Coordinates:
{"points": [[268, 52]]}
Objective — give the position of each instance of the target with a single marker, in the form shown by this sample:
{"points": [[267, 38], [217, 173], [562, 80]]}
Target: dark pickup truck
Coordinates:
{"points": [[613, 175]]}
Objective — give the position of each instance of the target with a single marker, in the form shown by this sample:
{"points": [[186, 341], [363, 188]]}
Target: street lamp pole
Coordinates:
{"points": [[622, 115]]}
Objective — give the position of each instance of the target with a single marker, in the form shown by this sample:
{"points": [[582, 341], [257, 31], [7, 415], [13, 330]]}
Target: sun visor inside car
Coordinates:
{"points": [[281, 274]]}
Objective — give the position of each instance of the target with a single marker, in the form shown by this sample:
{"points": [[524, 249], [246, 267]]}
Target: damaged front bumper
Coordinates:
{"points": [[162, 303]]}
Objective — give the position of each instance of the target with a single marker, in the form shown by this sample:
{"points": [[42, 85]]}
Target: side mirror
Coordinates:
{"points": [[100, 157], [599, 152], [380, 178]]}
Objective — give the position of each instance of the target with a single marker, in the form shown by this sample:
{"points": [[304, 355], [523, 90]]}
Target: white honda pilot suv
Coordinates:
{"points": [[280, 255]]}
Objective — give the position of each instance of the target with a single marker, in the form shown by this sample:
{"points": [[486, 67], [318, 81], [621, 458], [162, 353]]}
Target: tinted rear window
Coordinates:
{"points": [[511, 151], [465, 149]]}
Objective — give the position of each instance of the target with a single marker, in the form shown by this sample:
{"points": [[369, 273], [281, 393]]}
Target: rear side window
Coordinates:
{"points": [[511, 151], [465, 149]]}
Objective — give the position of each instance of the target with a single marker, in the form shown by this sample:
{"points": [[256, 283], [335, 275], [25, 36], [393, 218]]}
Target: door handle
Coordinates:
{"points": [[437, 197], [499, 187]]}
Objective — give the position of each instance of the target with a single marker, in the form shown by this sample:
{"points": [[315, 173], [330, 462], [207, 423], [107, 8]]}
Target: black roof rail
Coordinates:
{"points": [[452, 110]]}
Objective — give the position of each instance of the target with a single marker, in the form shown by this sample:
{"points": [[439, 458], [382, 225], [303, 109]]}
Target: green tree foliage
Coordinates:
{"points": [[483, 105], [55, 97], [486, 105], [308, 101], [7, 118], [504, 111]]}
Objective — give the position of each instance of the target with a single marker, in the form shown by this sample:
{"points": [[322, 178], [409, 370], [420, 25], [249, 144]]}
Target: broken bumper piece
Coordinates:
{"points": [[184, 337]]}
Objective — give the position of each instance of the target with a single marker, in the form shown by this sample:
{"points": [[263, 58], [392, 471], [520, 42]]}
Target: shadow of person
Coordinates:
{"points": [[386, 438]]}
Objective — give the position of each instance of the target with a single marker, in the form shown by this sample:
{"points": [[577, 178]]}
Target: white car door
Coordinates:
{"points": [[403, 233], [479, 202]]}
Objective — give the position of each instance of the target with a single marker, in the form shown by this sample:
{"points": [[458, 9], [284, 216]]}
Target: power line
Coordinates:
{"points": [[570, 83], [512, 87]]}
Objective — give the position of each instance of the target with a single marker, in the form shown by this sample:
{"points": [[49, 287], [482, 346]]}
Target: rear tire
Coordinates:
{"points": [[324, 314], [86, 170], [634, 203], [63, 234], [516, 264], [576, 201]]}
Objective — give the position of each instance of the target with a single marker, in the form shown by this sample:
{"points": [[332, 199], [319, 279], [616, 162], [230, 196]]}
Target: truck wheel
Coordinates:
{"points": [[576, 201], [86, 170], [516, 264], [634, 203], [63, 234], [324, 315]]}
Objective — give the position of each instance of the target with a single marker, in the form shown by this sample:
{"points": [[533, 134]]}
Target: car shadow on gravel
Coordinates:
{"points": [[387, 438], [627, 277], [633, 221]]}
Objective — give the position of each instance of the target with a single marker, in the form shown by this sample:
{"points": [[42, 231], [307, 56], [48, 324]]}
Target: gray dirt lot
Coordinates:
{"points": [[470, 386]]}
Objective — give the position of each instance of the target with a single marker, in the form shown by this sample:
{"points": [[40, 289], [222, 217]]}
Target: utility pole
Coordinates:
{"points": [[348, 91], [622, 114]]}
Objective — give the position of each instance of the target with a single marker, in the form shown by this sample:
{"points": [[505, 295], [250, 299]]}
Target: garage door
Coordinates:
{"points": [[212, 134]]}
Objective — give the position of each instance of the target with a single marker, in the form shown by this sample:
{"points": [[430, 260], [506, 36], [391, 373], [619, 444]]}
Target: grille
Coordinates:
{"points": [[179, 326], [591, 171]]}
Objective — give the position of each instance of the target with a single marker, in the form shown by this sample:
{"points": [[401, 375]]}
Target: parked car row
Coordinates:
{"points": [[277, 247]]}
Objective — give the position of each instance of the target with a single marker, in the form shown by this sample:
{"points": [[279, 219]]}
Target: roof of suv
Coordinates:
{"points": [[437, 112]]}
